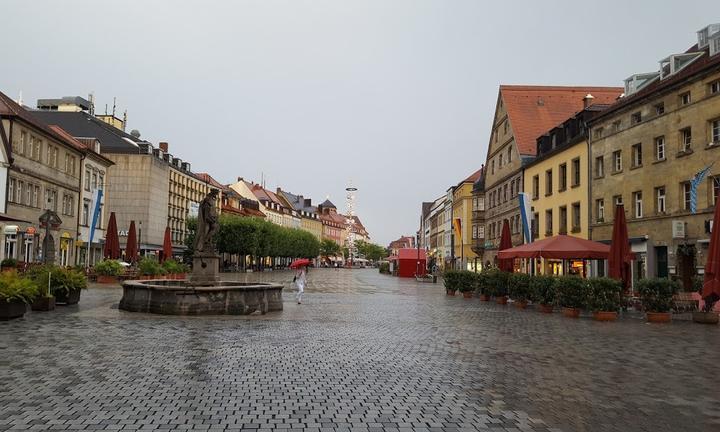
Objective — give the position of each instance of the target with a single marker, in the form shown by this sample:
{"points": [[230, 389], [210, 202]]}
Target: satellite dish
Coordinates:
{"points": [[135, 133]]}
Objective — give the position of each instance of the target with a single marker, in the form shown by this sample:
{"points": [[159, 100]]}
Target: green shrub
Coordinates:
{"points": [[150, 267], [9, 262], [108, 267], [385, 267], [656, 294], [604, 295], [481, 283], [572, 291], [61, 280], [542, 289], [451, 279], [467, 281], [173, 267], [497, 282], [13, 287], [519, 286], [697, 283]]}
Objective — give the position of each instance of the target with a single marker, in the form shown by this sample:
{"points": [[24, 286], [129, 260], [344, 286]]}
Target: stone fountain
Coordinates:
{"points": [[202, 293]]}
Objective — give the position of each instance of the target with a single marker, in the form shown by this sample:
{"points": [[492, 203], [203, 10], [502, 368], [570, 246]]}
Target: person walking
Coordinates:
{"points": [[300, 282]]}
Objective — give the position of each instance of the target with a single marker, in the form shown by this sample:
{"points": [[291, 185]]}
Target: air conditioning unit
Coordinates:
{"points": [[678, 229]]}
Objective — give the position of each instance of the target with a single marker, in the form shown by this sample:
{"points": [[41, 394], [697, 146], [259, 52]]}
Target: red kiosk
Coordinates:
{"points": [[408, 263]]}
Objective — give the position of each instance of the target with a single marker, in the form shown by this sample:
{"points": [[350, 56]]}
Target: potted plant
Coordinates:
{"points": [[108, 271], [450, 279], [519, 289], [174, 269], [8, 264], [69, 286], [15, 294], [466, 283], [497, 285], [571, 294], [542, 291], [150, 268], [656, 296], [482, 289], [604, 298], [45, 300]]}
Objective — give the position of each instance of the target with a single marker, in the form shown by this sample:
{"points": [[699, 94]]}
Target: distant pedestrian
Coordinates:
{"points": [[300, 280]]}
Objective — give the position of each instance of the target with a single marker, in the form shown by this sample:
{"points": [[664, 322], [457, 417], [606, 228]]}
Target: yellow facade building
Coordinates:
{"points": [[462, 213]]}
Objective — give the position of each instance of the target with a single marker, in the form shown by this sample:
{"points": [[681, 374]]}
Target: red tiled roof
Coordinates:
{"points": [[243, 211], [207, 178], [472, 178], [533, 110]]}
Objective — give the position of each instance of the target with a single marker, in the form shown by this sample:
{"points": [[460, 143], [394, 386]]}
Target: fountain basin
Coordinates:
{"points": [[180, 297]]}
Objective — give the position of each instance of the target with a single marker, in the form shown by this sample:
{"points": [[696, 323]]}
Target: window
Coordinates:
{"points": [[509, 154], [481, 204], [617, 199], [492, 166], [660, 148], [29, 194], [505, 127], [576, 172], [505, 191], [685, 98], [576, 217], [686, 195], [85, 212], [517, 187], [636, 118], [87, 179], [24, 142], [660, 199], [50, 199], [36, 196], [637, 155], [617, 161], [715, 188], [714, 87], [599, 166], [637, 199], [562, 177], [600, 210], [534, 225], [18, 192], [548, 223], [512, 188], [500, 161], [598, 132], [616, 125], [536, 187], [660, 109], [715, 131], [481, 231], [562, 223], [548, 182], [101, 181], [474, 231], [67, 204], [685, 139], [94, 181], [36, 148], [11, 190]]}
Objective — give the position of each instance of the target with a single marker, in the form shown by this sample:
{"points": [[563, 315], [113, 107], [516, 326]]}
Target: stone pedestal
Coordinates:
{"points": [[206, 270]]}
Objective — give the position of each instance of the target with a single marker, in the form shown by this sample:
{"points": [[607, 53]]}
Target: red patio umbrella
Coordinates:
{"points": [[711, 283], [620, 256], [131, 249], [505, 264], [167, 251], [112, 242], [559, 247]]}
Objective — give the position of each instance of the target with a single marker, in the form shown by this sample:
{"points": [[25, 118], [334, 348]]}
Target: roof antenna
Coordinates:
{"points": [[91, 97], [20, 101], [113, 112]]}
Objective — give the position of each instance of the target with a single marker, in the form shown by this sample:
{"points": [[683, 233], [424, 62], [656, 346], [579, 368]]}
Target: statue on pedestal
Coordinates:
{"points": [[208, 224]]}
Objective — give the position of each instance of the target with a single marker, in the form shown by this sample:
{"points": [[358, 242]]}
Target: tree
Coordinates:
{"points": [[370, 251], [329, 248]]}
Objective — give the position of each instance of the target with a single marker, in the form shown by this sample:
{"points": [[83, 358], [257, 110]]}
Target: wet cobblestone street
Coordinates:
{"points": [[364, 352]]}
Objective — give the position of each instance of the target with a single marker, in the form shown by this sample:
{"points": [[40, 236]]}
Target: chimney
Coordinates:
{"points": [[588, 100], [240, 179], [307, 202], [278, 190], [163, 146]]}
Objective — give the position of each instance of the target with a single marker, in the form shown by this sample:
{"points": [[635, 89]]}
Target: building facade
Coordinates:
{"points": [[522, 114], [308, 213], [333, 224], [478, 222], [462, 215], [645, 151]]}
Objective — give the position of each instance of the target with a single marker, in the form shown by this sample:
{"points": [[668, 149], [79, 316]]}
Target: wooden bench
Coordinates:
{"points": [[684, 302]]}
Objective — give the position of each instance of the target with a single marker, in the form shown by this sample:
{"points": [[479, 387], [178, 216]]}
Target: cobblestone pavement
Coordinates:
{"points": [[365, 352]]}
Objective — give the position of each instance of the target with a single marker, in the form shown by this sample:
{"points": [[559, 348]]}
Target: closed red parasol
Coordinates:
{"points": [[131, 249], [112, 242], [505, 264], [620, 256], [167, 250], [711, 284]]}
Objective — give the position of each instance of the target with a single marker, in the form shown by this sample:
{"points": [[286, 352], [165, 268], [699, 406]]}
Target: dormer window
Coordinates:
{"points": [[677, 62], [705, 34]]}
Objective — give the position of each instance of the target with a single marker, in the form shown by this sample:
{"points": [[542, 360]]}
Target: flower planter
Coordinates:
{"points": [[107, 279], [521, 304], [450, 292], [43, 304], [502, 300], [546, 308], [12, 309], [67, 298], [605, 316], [571, 312], [180, 276], [706, 317], [484, 297], [467, 294], [658, 317]]}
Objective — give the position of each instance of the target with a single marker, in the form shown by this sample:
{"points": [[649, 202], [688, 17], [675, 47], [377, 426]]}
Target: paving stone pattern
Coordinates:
{"points": [[364, 352]]}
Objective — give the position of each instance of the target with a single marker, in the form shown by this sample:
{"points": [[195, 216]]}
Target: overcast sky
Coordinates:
{"points": [[397, 96]]}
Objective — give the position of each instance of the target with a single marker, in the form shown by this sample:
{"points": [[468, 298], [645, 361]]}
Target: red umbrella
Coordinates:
{"points": [[131, 249], [505, 264], [302, 262], [112, 242], [167, 251], [559, 247], [620, 255], [711, 283]]}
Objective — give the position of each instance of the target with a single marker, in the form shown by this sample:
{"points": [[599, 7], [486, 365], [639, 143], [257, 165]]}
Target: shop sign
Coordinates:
{"points": [[30, 231], [678, 229], [122, 233]]}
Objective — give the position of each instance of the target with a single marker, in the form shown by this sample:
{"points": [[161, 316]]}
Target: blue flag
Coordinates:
{"points": [[699, 177]]}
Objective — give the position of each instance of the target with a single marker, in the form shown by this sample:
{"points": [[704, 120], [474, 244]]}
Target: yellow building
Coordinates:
{"points": [[462, 213], [308, 214], [557, 181]]}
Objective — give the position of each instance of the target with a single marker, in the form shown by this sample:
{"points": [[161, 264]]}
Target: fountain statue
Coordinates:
{"points": [[202, 293]]}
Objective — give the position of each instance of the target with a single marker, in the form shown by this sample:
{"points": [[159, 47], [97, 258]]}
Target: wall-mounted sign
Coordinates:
{"points": [[30, 230], [122, 233], [678, 229]]}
